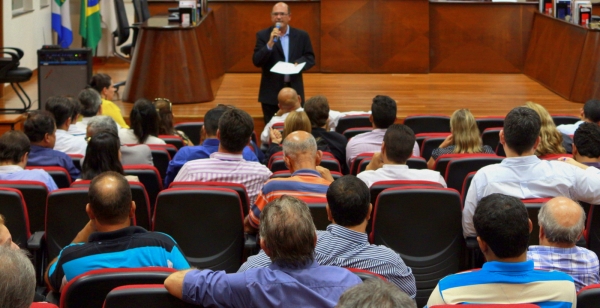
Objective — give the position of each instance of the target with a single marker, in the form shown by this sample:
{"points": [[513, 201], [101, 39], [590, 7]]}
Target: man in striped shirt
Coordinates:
{"points": [[503, 229], [306, 183], [345, 243], [228, 164]]}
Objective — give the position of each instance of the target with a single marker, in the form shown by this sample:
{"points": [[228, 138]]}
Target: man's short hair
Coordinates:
{"points": [[38, 124], [587, 140], [101, 123], [348, 199], [76, 108], [235, 128], [211, 119], [90, 102], [294, 150], [375, 293], [317, 110], [17, 278], [502, 222], [521, 129], [383, 110], [61, 108], [557, 233], [288, 231], [399, 141], [110, 204], [591, 110], [13, 145]]}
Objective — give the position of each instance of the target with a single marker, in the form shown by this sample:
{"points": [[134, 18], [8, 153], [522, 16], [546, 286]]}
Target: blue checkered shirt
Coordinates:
{"points": [[579, 262]]}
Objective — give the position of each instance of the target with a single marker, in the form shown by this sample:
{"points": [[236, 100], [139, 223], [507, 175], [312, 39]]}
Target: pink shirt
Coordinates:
{"points": [[369, 143]]}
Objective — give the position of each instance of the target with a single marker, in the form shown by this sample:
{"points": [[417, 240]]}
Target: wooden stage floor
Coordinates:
{"points": [[483, 94]]}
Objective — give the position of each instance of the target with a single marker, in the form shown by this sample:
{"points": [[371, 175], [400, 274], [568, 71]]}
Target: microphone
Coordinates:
{"points": [[278, 26]]}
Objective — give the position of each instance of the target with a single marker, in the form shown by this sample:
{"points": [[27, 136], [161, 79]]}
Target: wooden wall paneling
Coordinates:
{"points": [[587, 79], [479, 37], [375, 36], [553, 54]]}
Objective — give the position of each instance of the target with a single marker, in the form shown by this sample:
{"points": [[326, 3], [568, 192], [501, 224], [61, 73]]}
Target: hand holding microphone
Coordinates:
{"points": [[276, 37]]}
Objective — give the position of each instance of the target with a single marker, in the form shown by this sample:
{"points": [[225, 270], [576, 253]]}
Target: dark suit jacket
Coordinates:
{"points": [[300, 50]]}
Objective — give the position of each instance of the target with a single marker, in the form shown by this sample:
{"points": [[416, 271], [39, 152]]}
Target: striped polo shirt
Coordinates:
{"points": [[506, 283], [129, 247], [304, 184]]}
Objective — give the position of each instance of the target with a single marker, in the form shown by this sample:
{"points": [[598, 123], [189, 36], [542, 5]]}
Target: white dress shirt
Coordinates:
{"points": [[334, 117], [70, 144], [529, 177], [400, 172], [128, 137], [569, 129], [369, 143]]}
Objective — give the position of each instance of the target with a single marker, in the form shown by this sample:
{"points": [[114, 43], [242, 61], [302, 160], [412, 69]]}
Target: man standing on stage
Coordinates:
{"points": [[277, 43]]}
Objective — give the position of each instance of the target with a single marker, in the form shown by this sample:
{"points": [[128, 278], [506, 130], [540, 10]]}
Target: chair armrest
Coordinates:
{"points": [[19, 51], [35, 241]]}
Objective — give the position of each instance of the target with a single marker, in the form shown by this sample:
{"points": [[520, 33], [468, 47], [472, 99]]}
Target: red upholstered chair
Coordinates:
{"points": [[466, 185], [422, 136], [161, 156], [42, 305], [150, 177], [191, 129], [380, 186], [589, 297], [441, 163], [429, 144], [458, 168], [90, 289], [491, 137], [60, 175], [354, 167], [239, 188], [364, 274], [174, 140], [533, 208], [143, 295], [555, 156], [429, 123], [35, 195], [76, 158], [560, 119], [14, 210], [351, 132], [484, 123], [592, 229], [352, 121], [319, 214]]}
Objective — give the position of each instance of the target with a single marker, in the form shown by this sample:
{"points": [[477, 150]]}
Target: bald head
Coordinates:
{"points": [[300, 147], [288, 99], [110, 198], [562, 220]]}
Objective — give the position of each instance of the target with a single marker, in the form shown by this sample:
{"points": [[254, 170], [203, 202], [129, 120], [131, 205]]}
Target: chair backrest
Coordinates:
{"points": [[143, 295], [122, 32], [160, 159], [428, 123], [90, 289], [429, 144], [424, 225], [42, 305], [191, 129], [65, 217], [352, 121], [14, 210], [555, 156], [422, 136], [441, 163], [60, 175], [491, 137], [589, 297], [533, 208], [416, 163], [76, 158], [380, 186], [357, 161], [458, 168], [173, 140], [239, 188], [35, 195], [142, 12], [210, 232], [484, 123], [150, 177], [593, 229], [560, 119], [351, 132], [466, 185], [364, 274], [319, 214], [286, 174], [331, 163]]}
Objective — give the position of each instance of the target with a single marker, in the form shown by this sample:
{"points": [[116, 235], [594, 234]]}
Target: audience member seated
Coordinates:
{"points": [[74, 128], [295, 121], [130, 155], [390, 163], [91, 105], [562, 222], [295, 279], [524, 175], [309, 181], [5, 237], [375, 293], [345, 243], [551, 139], [41, 131], [165, 120], [209, 145], [103, 84], [63, 109], [465, 138], [144, 123], [317, 110], [108, 239], [228, 164], [17, 274], [590, 112], [14, 150], [383, 114], [507, 277], [586, 144], [103, 154]]}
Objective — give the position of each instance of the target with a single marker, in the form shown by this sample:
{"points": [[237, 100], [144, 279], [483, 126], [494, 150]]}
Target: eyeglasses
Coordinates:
{"points": [[279, 14], [166, 101]]}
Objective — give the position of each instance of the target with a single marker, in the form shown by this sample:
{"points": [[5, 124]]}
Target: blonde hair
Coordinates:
{"points": [[465, 132], [296, 121], [551, 139]]}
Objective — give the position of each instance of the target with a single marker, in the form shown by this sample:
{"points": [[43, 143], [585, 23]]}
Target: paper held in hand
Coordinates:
{"points": [[286, 68]]}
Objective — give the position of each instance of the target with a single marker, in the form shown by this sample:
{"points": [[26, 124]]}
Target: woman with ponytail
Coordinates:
{"points": [[144, 125]]}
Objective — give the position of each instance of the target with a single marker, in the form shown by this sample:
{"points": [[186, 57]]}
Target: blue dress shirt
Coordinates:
{"points": [[274, 286], [40, 156], [16, 173], [186, 154]]}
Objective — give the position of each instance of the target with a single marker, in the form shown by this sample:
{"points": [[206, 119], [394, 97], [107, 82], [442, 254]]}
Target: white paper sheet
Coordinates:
{"points": [[286, 68]]}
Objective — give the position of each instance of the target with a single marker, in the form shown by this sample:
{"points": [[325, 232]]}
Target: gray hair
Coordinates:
{"points": [[294, 149], [288, 232], [90, 102], [557, 233], [17, 278], [375, 293], [102, 124]]}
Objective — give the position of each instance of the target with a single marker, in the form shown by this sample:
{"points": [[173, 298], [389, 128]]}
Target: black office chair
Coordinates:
{"points": [[121, 35], [142, 13], [10, 72]]}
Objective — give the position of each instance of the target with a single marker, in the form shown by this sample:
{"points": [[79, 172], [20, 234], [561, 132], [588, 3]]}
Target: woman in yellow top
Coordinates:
{"points": [[103, 84]]}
